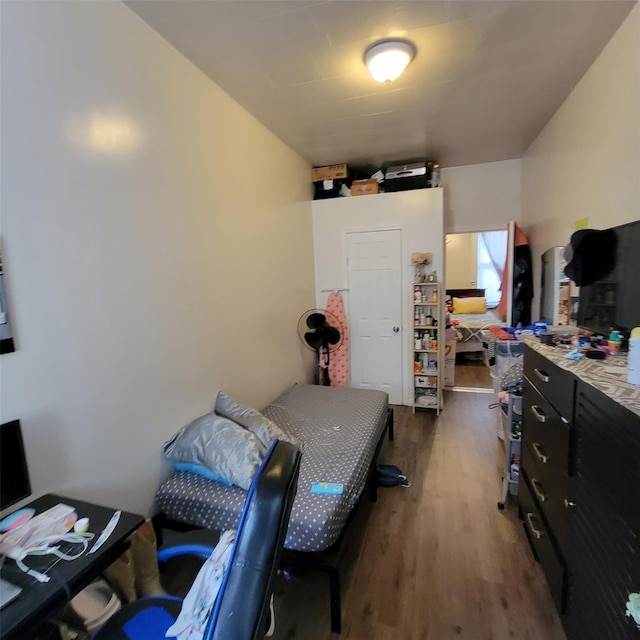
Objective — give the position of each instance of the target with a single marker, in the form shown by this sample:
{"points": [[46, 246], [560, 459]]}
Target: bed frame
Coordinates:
{"points": [[329, 560], [471, 345]]}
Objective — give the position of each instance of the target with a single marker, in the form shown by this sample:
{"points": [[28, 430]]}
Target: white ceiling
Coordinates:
{"points": [[487, 77]]}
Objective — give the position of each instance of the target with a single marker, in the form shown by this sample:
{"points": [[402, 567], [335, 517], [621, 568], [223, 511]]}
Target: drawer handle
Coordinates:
{"points": [[542, 374], [538, 413], [538, 450], [535, 532], [569, 504], [538, 489]]}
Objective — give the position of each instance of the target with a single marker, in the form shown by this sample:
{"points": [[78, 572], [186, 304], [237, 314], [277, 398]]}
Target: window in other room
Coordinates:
{"points": [[492, 255]]}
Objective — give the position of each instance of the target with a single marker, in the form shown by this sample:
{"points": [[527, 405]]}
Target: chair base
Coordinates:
{"points": [[143, 619]]}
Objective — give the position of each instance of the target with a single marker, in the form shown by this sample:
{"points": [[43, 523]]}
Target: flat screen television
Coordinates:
{"points": [[613, 302], [14, 474]]}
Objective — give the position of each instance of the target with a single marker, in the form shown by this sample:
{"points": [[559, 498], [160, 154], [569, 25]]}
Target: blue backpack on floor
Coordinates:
{"points": [[391, 476]]}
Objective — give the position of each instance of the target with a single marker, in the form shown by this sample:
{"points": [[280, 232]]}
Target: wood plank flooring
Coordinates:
{"points": [[437, 560], [472, 373]]}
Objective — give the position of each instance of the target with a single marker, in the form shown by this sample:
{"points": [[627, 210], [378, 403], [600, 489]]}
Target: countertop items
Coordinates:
{"points": [[600, 374]]}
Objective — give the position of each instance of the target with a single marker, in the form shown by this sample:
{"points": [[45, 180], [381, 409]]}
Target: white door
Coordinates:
{"points": [[374, 266]]}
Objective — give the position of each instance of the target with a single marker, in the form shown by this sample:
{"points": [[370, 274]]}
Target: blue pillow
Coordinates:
{"points": [[201, 470]]}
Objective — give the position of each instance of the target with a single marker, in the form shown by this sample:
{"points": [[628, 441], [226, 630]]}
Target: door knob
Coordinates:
{"points": [[396, 329]]}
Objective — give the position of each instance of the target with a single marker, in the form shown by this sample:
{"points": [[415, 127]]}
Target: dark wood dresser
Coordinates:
{"points": [[579, 493]]}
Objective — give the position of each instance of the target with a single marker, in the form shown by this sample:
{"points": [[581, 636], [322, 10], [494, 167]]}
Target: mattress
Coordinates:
{"points": [[340, 428], [470, 325]]}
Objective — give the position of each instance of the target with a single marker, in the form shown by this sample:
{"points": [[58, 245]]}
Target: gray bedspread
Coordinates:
{"points": [[340, 429], [470, 326]]}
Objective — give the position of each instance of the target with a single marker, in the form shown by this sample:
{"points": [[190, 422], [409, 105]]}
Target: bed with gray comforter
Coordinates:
{"points": [[340, 429]]}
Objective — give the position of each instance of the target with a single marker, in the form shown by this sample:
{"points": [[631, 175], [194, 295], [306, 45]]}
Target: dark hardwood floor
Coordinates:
{"points": [[437, 560]]}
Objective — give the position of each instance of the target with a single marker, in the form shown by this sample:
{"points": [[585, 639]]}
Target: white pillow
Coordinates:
{"points": [[263, 428], [219, 444]]}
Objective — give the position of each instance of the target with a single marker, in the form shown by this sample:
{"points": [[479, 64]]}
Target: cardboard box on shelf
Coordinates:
{"points": [[364, 187], [449, 363], [449, 375], [450, 351], [330, 172]]}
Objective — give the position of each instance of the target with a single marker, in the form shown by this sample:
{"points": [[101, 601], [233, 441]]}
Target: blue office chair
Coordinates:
{"points": [[241, 607]]}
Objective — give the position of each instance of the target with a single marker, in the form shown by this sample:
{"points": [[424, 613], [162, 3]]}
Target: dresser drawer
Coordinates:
{"points": [[551, 494], [554, 383], [545, 433], [541, 543]]}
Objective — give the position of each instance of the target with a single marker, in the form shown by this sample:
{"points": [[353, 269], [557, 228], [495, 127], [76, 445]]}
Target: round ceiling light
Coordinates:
{"points": [[387, 59]]}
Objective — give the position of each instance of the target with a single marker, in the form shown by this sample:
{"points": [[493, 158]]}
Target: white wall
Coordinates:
{"points": [[461, 258], [418, 214], [481, 197], [157, 243], [586, 161]]}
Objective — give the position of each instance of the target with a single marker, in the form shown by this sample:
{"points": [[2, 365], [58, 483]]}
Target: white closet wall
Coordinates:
{"points": [[419, 216]]}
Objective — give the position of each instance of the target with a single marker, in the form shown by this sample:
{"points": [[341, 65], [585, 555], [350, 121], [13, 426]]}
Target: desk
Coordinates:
{"points": [[39, 600]]}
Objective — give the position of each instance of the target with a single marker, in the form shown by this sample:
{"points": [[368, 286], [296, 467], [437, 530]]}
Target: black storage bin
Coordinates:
{"points": [[415, 175], [336, 174]]}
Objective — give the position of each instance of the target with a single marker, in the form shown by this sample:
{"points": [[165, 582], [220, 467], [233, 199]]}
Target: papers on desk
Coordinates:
{"points": [[108, 530], [40, 536], [41, 530]]}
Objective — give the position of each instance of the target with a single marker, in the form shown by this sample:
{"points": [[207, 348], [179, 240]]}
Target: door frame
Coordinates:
{"points": [[509, 227], [405, 312]]}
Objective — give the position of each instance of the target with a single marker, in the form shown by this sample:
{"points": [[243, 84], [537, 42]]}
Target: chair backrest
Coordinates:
{"points": [[241, 606]]}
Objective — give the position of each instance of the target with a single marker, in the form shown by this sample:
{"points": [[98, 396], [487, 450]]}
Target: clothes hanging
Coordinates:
{"points": [[521, 283], [339, 359], [198, 603]]}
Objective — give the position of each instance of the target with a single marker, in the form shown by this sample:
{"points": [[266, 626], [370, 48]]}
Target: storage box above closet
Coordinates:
{"points": [[415, 175], [330, 172], [364, 187]]}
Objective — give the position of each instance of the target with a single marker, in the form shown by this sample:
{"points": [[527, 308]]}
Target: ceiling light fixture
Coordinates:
{"points": [[387, 59]]}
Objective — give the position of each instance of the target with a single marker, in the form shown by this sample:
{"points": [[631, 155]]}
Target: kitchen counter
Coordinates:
{"points": [[593, 372]]}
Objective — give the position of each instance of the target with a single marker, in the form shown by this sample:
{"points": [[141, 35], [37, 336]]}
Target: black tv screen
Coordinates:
{"points": [[613, 302], [14, 475]]}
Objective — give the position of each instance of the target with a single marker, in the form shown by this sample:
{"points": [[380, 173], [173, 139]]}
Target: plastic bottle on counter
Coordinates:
{"points": [[614, 342], [633, 372]]}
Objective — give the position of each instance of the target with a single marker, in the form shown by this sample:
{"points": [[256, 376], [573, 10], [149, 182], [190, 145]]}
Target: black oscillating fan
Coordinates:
{"points": [[322, 332]]}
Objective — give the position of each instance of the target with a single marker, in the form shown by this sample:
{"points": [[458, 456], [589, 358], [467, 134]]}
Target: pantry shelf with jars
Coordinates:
{"points": [[428, 344]]}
